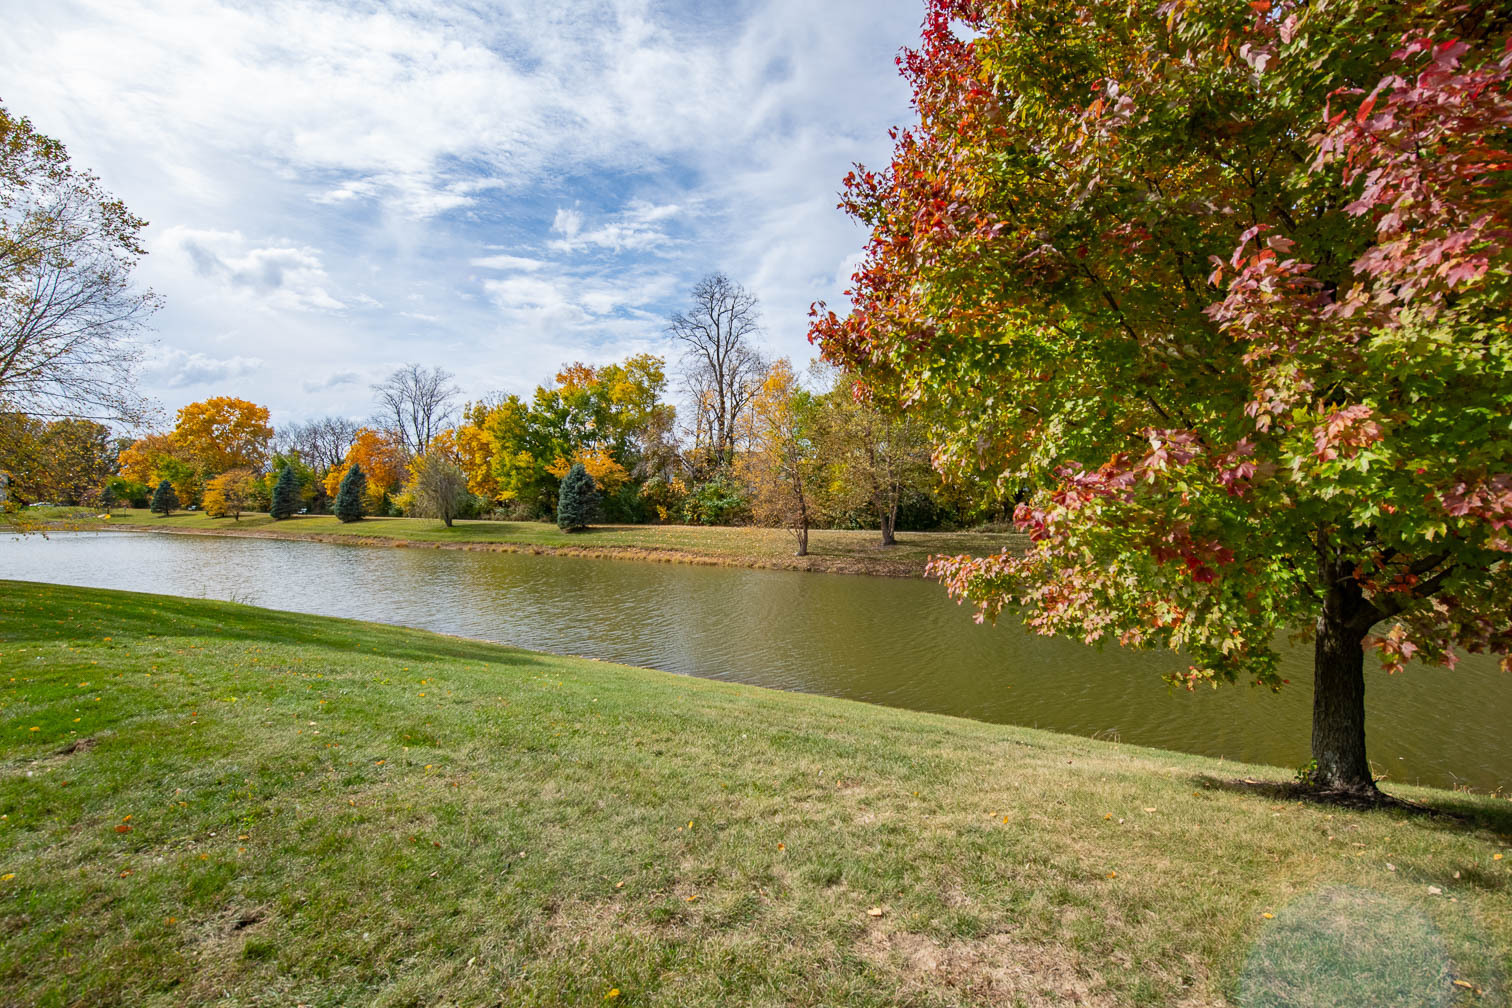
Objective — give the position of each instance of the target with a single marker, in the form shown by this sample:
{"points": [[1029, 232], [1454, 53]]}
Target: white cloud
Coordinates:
{"points": [[507, 262], [567, 223], [281, 276], [176, 369]]}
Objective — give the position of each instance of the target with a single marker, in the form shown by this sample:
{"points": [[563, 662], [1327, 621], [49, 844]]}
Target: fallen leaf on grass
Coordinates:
{"points": [[875, 912], [122, 828], [1434, 890], [1268, 916]]}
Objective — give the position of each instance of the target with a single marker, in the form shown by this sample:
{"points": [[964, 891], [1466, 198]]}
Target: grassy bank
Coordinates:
{"points": [[835, 551], [204, 802]]}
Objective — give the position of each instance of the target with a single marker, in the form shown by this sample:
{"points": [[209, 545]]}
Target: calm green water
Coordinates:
{"points": [[882, 640]]}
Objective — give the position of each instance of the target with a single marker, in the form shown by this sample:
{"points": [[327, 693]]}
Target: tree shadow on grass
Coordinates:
{"points": [[45, 612], [1449, 809]]}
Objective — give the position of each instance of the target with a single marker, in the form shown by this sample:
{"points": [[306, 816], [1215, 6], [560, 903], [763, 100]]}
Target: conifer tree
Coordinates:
{"points": [[349, 495], [164, 499], [285, 495], [108, 497], [577, 501]]}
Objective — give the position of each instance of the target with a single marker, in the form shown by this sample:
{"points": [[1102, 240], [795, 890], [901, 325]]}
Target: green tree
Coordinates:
{"points": [[577, 501], [873, 457], [285, 495], [164, 500], [1226, 288], [351, 495]]}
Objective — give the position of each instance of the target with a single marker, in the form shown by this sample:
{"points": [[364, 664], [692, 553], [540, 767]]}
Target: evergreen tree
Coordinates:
{"points": [[108, 497], [164, 499], [577, 501], [349, 495], [285, 495]]}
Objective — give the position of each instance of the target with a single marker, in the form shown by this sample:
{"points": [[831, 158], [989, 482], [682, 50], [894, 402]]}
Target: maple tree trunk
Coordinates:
{"points": [[1338, 733], [889, 522]]}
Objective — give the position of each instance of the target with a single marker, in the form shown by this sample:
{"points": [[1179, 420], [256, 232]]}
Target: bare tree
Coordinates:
{"points": [[322, 444], [722, 369], [68, 310], [416, 403]]}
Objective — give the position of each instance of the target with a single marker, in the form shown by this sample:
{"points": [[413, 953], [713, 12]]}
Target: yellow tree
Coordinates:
{"points": [[223, 433], [227, 495], [608, 475], [474, 451], [782, 462]]}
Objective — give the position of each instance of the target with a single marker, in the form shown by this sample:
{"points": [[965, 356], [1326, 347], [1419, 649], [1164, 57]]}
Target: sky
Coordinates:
{"points": [[497, 188]]}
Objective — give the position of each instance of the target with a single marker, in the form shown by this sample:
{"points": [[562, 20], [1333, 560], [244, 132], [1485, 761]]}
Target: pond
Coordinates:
{"points": [[883, 640]]}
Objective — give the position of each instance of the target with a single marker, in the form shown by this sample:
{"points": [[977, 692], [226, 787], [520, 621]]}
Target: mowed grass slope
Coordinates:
{"points": [[211, 803], [833, 550]]}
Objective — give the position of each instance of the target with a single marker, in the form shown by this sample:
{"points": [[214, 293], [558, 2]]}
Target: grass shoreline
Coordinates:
{"points": [[831, 551], [223, 803]]}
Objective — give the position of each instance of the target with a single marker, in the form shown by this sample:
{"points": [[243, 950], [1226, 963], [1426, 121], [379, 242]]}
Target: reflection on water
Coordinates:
{"points": [[883, 640]]}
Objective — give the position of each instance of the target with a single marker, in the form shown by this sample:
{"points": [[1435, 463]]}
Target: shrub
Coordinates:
{"points": [[717, 501]]}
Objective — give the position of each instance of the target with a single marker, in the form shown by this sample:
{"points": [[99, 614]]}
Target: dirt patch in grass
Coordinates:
{"points": [[240, 920], [997, 969], [77, 746]]}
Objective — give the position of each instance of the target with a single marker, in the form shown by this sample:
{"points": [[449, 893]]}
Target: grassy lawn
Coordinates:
{"points": [[831, 550], [209, 803]]}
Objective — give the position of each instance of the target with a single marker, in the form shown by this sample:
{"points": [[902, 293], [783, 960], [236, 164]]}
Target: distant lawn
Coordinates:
{"points": [[208, 803], [833, 550]]}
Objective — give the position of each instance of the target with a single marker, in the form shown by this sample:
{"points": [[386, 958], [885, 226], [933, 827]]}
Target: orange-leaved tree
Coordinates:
{"points": [[382, 459]]}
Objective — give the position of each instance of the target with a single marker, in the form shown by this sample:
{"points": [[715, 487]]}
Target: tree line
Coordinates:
{"points": [[754, 442]]}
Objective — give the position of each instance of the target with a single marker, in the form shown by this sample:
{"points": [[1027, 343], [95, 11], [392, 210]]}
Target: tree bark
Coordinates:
{"points": [[889, 524], [1338, 734]]}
